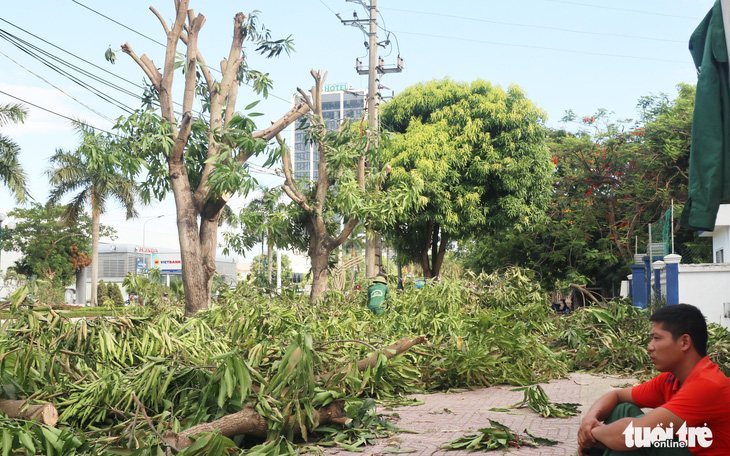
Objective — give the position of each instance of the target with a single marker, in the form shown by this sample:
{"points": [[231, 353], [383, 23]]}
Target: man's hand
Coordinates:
{"points": [[585, 433]]}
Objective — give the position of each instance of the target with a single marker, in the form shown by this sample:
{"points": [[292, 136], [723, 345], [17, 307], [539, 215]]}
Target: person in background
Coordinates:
{"points": [[378, 295]]}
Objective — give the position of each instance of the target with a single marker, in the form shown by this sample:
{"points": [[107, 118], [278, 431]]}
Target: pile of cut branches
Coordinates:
{"points": [[264, 373]]}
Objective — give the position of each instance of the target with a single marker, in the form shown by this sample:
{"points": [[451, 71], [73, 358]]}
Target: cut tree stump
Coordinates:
{"points": [[44, 413]]}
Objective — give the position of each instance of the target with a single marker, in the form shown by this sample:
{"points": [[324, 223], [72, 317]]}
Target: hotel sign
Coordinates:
{"points": [[336, 87]]}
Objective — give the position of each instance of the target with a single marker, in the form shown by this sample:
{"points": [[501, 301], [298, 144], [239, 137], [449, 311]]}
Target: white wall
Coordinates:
{"points": [[706, 286], [721, 235]]}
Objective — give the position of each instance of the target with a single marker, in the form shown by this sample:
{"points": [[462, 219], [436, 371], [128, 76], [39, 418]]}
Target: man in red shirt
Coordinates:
{"points": [[690, 398]]}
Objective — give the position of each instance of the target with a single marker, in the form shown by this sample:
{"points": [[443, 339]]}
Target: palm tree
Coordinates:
{"points": [[92, 174], [11, 173]]}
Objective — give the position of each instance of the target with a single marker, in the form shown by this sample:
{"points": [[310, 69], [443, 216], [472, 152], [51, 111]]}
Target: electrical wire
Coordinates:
{"points": [[73, 55], [34, 50], [119, 23], [164, 45], [543, 27], [57, 114], [46, 58], [542, 48], [59, 89], [652, 13]]}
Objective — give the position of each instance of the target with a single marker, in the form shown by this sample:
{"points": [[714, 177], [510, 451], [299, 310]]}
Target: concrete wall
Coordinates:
{"points": [[706, 286], [721, 235]]}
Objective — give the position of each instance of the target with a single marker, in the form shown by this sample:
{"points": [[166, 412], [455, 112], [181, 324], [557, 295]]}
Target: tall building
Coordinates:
{"points": [[338, 104]]}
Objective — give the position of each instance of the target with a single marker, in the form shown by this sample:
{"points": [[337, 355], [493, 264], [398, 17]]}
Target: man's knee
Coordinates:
{"points": [[624, 410]]}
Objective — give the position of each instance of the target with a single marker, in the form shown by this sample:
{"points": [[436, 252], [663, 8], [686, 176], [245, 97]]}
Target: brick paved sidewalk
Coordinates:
{"points": [[446, 416]]}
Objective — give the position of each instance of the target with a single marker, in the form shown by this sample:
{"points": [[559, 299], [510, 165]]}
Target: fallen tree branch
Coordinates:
{"points": [[590, 295], [390, 351], [326, 342], [44, 413], [248, 421]]}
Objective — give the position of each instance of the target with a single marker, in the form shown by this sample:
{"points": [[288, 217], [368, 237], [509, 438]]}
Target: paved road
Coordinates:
{"points": [[446, 416]]}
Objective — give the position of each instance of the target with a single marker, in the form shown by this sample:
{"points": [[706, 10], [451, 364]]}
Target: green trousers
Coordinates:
{"points": [[628, 410]]}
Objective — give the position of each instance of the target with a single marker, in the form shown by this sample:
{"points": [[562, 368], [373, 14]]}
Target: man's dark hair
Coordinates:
{"points": [[683, 319]]}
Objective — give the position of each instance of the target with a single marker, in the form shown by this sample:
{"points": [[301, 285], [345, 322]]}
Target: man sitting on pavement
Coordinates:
{"points": [[690, 398]]}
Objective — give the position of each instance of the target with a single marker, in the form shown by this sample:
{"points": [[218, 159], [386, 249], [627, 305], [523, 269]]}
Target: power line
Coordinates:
{"points": [[60, 90], [57, 114], [73, 55], [29, 49], [164, 45], [496, 43], [652, 13], [40, 55], [512, 24], [119, 23]]}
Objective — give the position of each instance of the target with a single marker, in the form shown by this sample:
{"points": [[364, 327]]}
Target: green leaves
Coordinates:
{"points": [[496, 437], [537, 401]]}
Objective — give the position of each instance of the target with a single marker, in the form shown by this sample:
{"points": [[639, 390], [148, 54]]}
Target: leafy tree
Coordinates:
{"points": [[93, 174], [50, 249], [115, 294], [262, 264], [102, 292], [201, 157], [480, 154], [343, 192], [612, 178], [264, 218], [11, 172]]}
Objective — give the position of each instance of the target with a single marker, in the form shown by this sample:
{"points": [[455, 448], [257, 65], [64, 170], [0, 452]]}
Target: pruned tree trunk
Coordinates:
{"points": [[321, 243], [197, 210], [583, 290], [249, 422], [390, 351], [44, 413], [319, 257]]}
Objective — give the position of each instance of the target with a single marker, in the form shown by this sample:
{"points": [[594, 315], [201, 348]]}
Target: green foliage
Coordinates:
{"points": [[102, 293], [12, 174], [46, 244], [285, 358], [611, 178], [115, 294], [479, 154], [537, 401], [260, 265], [496, 437]]}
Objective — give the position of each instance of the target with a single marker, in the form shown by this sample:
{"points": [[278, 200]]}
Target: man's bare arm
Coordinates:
{"points": [[598, 412], [612, 435]]}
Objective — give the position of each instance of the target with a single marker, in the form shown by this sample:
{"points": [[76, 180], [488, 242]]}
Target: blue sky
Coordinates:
{"points": [[580, 55]]}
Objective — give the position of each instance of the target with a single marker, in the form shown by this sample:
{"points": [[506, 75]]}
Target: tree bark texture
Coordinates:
{"points": [[44, 413], [249, 422]]}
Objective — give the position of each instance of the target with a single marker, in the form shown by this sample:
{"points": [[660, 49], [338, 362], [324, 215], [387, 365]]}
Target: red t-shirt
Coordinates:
{"points": [[703, 400]]}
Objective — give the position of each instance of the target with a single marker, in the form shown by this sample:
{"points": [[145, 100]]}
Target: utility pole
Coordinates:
{"points": [[376, 66], [372, 242]]}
